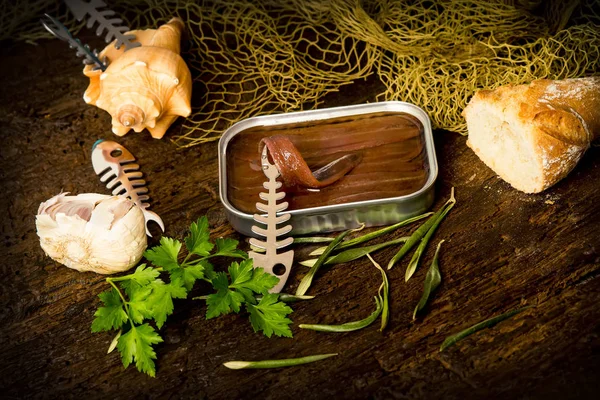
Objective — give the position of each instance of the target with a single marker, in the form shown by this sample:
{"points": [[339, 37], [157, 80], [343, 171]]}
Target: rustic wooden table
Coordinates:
{"points": [[504, 249]]}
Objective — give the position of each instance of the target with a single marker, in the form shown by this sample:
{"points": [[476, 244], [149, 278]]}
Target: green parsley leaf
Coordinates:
{"points": [[137, 287], [160, 301], [198, 241], [137, 304], [111, 315], [225, 300], [137, 345], [256, 279], [143, 275], [240, 273], [261, 282], [248, 280], [164, 255], [209, 271], [221, 282], [187, 276], [228, 248], [270, 316]]}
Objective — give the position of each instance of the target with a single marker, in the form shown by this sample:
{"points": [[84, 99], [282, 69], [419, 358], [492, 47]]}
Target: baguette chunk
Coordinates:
{"points": [[533, 135]]}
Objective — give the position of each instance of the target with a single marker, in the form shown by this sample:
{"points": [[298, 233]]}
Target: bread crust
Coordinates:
{"points": [[557, 119]]}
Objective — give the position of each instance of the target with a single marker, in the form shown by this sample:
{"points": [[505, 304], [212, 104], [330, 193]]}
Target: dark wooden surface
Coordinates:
{"points": [[504, 249]]}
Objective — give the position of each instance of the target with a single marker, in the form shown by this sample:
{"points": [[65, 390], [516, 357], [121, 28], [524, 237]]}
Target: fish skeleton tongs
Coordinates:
{"points": [[116, 167], [270, 260]]}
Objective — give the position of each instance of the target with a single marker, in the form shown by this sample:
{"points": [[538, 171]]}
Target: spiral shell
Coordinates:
{"points": [[146, 87]]}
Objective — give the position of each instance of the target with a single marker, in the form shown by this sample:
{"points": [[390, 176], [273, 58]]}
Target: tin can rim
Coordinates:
{"points": [[321, 114]]}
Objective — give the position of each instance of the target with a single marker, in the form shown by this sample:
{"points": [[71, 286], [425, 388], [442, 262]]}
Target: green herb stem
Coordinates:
{"points": [[196, 261], [432, 281], [385, 288], [353, 254], [125, 302], [414, 261], [372, 235], [257, 249], [292, 298], [419, 233], [289, 362], [412, 241], [285, 297], [187, 257], [349, 326], [111, 281], [313, 239], [301, 240], [308, 278], [119, 278], [488, 323]]}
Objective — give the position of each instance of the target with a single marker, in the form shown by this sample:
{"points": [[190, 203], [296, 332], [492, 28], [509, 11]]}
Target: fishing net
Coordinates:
{"points": [[251, 58]]}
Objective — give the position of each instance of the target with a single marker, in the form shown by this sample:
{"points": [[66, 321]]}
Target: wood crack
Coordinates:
{"points": [[460, 374]]}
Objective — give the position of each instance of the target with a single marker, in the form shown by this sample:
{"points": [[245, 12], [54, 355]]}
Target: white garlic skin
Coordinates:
{"points": [[92, 232]]}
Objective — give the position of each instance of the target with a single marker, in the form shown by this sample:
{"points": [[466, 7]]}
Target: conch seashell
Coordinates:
{"points": [[92, 232], [145, 87]]}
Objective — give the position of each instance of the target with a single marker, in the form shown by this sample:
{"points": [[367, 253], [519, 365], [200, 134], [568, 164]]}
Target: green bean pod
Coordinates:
{"points": [[288, 362], [488, 323], [414, 261], [349, 326], [372, 235], [353, 254], [432, 281], [313, 239], [419, 233], [385, 288], [308, 278]]}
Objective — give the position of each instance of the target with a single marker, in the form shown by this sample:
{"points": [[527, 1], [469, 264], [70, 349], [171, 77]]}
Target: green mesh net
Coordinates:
{"points": [[250, 58]]}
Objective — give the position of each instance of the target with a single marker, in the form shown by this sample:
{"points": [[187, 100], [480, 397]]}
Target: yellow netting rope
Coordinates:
{"points": [[250, 58]]}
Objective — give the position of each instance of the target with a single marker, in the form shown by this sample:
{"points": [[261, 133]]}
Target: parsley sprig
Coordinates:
{"points": [[138, 304], [268, 314]]}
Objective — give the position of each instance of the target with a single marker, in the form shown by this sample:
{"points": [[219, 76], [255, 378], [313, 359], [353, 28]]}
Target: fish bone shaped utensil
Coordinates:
{"points": [[116, 167], [271, 259], [60, 31], [94, 10]]}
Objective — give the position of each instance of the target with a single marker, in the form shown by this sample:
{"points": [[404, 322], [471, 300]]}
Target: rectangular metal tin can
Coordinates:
{"points": [[337, 217]]}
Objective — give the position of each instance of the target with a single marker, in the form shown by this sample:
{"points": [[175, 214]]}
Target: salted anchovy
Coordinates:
{"points": [[296, 173], [116, 167], [270, 259]]}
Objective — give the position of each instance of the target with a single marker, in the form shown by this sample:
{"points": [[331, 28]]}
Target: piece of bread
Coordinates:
{"points": [[533, 135]]}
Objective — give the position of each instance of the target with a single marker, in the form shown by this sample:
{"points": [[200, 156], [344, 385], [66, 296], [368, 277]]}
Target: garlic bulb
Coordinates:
{"points": [[92, 232]]}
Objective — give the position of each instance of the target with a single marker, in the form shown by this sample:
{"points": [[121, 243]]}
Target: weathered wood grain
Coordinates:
{"points": [[504, 249]]}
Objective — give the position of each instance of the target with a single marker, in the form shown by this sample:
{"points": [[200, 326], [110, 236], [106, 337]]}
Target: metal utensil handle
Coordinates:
{"points": [[271, 259]]}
